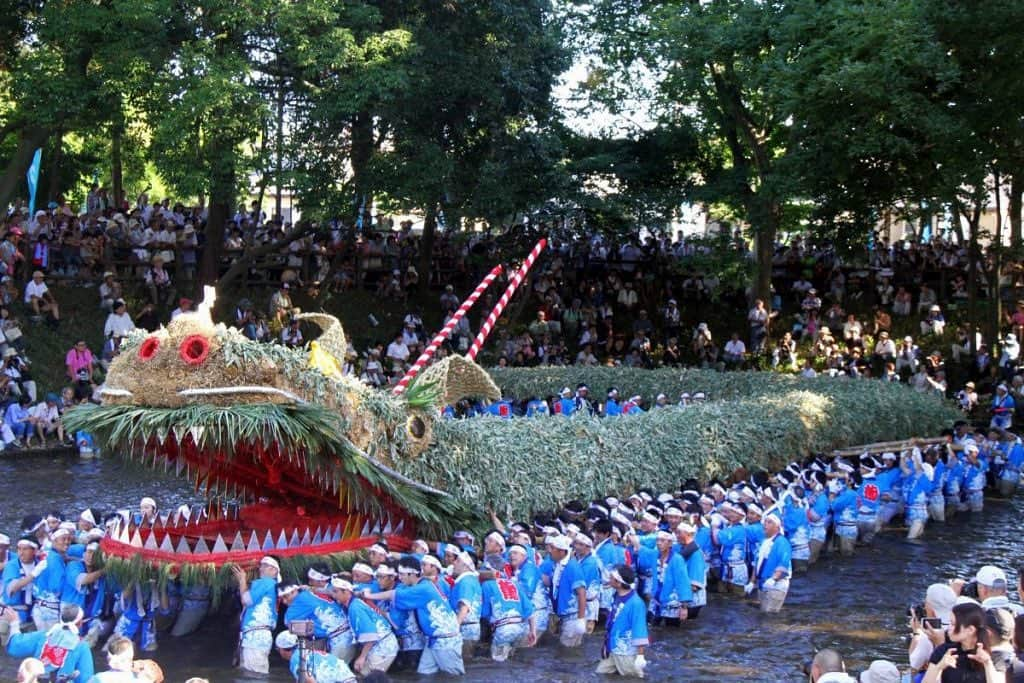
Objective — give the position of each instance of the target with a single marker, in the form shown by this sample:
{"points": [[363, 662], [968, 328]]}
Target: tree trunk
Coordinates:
{"points": [[765, 219], [222, 198], [1016, 204], [426, 255], [997, 299], [362, 151], [31, 139], [56, 161], [116, 162], [279, 153]]}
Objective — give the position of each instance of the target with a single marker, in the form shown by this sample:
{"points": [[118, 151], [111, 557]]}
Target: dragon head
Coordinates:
{"points": [[316, 453]]}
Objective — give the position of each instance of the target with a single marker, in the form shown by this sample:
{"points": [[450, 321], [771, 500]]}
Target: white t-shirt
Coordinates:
{"points": [[118, 325], [33, 289], [737, 347], [398, 350]]}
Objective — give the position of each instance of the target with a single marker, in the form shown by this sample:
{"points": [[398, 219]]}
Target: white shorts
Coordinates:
{"points": [[255, 659]]}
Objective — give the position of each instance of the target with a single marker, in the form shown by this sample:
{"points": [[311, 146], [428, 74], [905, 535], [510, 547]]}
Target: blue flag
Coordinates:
{"points": [[33, 180]]}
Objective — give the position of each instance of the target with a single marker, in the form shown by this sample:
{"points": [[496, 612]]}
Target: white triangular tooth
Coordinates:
{"points": [[254, 543], [183, 548], [238, 544], [318, 537], [126, 535], [268, 542], [282, 541], [387, 527], [401, 525], [150, 543], [219, 546], [293, 542], [201, 547], [376, 527], [166, 546], [306, 538], [336, 533]]}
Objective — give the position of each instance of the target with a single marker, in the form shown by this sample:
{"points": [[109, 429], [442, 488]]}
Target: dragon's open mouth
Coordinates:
{"points": [[280, 478]]}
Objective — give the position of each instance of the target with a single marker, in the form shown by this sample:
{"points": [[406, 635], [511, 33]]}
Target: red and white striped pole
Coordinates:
{"points": [[488, 325], [439, 338]]}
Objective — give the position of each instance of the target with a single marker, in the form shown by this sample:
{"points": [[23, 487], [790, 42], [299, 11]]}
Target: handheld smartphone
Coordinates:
{"points": [[933, 623]]}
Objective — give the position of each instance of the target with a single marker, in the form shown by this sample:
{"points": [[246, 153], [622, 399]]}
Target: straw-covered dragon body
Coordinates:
{"points": [[325, 465]]}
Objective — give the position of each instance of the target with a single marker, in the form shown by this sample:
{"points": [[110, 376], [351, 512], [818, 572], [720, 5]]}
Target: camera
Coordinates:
{"points": [[302, 629], [915, 611]]}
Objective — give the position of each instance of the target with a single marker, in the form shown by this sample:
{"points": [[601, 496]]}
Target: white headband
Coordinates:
{"points": [[314, 575], [362, 567], [88, 516], [341, 584], [618, 577]]}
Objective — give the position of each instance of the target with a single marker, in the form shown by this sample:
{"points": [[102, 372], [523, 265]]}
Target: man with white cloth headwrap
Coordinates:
{"points": [[774, 564], [626, 629], [259, 615]]}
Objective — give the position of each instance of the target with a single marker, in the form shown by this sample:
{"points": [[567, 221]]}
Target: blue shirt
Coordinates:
{"points": [[13, 572], [466, 591], [260, 618], [537, 408], [626, 629], [433, 613], [325, 667], [76, 653], [368, 625], [612, 408], [503, 599], [564, 586], [671, 581], [327, 616], [565, 407], [779, 557]]}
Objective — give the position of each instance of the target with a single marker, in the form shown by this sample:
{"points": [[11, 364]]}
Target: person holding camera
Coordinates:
{"points": [[308, 665], [330, 625], [965, 656], [928, 623]]}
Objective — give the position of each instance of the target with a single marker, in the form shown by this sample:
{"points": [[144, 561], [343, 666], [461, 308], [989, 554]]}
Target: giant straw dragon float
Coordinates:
{"points": [[327, 465]]}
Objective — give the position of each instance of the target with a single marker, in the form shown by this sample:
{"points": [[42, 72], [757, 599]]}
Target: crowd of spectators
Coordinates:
{"points": [[894, 313]]}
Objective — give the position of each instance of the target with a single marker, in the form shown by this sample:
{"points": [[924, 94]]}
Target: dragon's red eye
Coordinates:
{"points": [[194, 349], [149, 348]]}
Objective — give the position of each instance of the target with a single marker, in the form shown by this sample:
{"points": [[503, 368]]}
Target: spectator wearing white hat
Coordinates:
{"points": [[259, 614], [39, 297], [993, 587], [880, 671], [935, 322], [928, 629]]}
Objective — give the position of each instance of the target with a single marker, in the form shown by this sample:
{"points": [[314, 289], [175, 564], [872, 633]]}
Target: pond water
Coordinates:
{"points": [[856, 605]]}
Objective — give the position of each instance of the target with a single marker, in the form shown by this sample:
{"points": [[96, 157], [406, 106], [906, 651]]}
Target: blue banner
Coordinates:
{"points": [[33, 180]]}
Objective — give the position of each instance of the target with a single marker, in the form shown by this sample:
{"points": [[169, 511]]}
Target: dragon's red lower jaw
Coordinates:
{"points": [[245, 537], [298, 513]]}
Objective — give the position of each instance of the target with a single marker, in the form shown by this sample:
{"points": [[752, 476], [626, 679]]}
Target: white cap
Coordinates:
{"points": [[881, 671], [87, 516], [990, 575], [147, 501]]}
